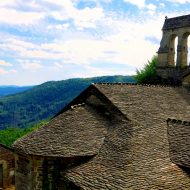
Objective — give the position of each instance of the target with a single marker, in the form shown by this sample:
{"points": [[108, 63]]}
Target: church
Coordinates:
{"points": [[117, 135]]}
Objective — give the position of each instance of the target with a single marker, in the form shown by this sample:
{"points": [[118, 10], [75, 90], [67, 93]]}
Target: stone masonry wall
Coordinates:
{"points": [[26, 172], [41, 173], [173, 75], [186, 81], [7, 162]]}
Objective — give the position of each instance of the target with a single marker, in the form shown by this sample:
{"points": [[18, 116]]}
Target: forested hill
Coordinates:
{"points": [[7, 90], [45, 100]]}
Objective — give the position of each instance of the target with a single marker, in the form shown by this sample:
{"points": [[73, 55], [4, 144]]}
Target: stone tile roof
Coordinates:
{"points": [[80, 131], [177, 22], [135, 153], [125, 127], [179, 141]]}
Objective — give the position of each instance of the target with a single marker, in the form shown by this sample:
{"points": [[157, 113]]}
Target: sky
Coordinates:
{"points": [[45, 40]]}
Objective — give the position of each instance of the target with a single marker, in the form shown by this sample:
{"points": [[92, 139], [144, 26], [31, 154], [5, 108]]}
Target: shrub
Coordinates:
{"points": [[148, 74]]}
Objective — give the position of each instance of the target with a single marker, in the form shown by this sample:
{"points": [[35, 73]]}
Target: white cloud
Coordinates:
{"points": [[7, 3], [12, 71], [4, 63], [85, 18], [162, 5], [179, 1], [82, 18], [3, 71], [151, 7], [142, 4], [15, 17], [59, 26], [138, 3], [58, 65], [126, 39], [115, 39], [31, 66]]}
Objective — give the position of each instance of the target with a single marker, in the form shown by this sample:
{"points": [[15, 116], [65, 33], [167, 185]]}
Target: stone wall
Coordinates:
{"points": [[25, 173], [41, 173], [8, 165], [186, 81], [174, 75]]}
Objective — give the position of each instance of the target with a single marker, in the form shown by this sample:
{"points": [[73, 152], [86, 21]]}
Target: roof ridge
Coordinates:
{"points": [[178, 121], [132, 84]]}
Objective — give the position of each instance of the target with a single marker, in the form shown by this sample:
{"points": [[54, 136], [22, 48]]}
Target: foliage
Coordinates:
{"points": [[11, 134], [148, 74], [45, 100]]}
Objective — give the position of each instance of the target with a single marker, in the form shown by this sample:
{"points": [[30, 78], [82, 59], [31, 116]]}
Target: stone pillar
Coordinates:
{"points": [[182, 52], [171, 52], [163, 51], [179, 51]]}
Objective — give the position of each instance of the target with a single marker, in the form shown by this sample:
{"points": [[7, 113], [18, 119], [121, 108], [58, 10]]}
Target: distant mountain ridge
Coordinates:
{"points": [[43, 101], [11, 89]]}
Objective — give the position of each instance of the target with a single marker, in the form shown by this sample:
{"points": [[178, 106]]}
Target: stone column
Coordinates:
{"points": [[182, 52], [171, 52], [179, 51], [163, 51]]}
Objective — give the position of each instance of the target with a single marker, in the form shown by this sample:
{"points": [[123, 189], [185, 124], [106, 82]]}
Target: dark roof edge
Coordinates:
{"points": [[6, 147], [177, 121], [75, 101], [79, 100]]}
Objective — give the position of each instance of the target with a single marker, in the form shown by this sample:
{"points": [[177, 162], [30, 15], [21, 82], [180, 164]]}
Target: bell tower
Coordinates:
{"points": [[173, 62]]}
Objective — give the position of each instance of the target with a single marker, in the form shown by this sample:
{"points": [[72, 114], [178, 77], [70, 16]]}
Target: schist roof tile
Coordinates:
{"points": [[79, 131], [130, 153], [135, 153], [177, 22]]}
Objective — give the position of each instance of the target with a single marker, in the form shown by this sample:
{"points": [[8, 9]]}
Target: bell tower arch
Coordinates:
{"points": [[172, 61]]}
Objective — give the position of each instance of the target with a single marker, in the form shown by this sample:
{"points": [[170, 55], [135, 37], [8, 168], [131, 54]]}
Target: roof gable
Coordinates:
{"points": [[78, 130], [135, 153]]}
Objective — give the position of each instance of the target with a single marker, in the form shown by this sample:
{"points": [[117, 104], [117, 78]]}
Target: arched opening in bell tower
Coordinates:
{"points": [[172, 54]]}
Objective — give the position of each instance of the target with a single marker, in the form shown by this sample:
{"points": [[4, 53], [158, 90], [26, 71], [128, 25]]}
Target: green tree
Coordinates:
{"points": [[147, 75], [9, 135]]}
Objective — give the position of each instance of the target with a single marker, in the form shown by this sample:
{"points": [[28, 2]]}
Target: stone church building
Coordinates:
{"points": [[117, 136]]}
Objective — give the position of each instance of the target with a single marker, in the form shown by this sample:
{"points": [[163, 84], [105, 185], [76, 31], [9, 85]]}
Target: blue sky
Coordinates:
{"points": [[43, 40]]}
